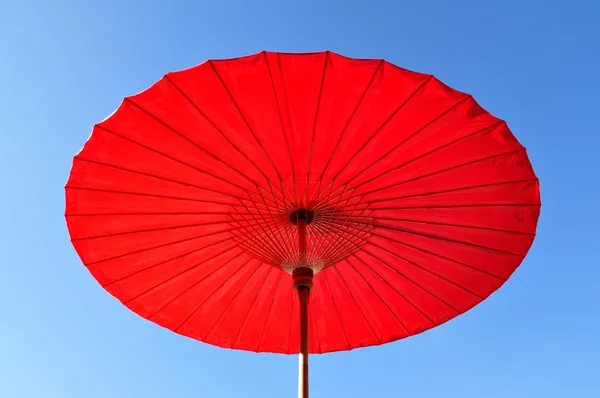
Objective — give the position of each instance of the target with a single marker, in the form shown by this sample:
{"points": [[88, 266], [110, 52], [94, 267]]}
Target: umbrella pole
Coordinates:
{"points": [[303, 292], [303, 283]]}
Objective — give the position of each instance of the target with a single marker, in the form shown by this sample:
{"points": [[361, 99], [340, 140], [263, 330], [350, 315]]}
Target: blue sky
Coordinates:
{"points": [[66, 65]]}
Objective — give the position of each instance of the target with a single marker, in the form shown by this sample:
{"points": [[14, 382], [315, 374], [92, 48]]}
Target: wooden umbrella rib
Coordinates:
{"points": [[386, 121], [211, 155], [166, 261], [450, 190], [426, 270], [277, 245], [455, 241], [149, 195], [380, 158], [184, 291], [396, 184], [266, 322], [378, 296], [511, 152], [103, 164], [395, 290], [226, 308], [481, 131], [379, 341], [208, 297], [297, 193], [157, 247], [314, 129], [345, 128], [285, 133], [247, 313], [439, 256], [169, 228], [337, 312], [203, 114], [235, 104], [413, 282], [289, 339], [185, 271]]}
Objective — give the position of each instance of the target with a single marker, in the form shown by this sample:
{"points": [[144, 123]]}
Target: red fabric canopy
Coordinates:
{"points": [[181, 203]]}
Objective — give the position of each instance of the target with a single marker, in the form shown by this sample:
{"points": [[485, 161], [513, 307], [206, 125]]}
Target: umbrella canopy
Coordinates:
{"points": [[198, 199]]}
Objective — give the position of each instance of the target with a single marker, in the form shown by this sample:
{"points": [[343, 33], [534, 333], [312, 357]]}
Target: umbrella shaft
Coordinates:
{"points": [[302, 240], [303, 292]]}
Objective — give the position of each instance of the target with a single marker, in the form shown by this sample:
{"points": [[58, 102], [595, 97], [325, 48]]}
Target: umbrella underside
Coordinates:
{"points": [[185, 203]]}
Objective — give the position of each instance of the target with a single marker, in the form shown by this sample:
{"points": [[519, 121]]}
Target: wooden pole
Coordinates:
{"points": [[303, 283], [303, 293]]}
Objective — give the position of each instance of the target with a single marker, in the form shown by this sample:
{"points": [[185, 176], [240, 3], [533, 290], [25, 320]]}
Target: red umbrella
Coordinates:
{"points": [[207, 201]]}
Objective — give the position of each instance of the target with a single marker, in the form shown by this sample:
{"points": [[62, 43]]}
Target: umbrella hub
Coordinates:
{"points": [[303, 277], [302, 214]]}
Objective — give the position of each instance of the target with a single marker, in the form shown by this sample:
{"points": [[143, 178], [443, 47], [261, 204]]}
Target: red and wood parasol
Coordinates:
{"points": [[215, 201]]}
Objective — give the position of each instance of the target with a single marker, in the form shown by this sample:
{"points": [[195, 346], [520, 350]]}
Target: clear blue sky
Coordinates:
{"points": [[65, 65]]}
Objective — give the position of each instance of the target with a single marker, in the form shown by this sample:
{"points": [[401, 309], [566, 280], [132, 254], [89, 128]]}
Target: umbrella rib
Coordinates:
{"points": [[79, 158], [197, 108], [372, 136], [177, 160], [185, 291], [276, 231], [235, 104], [166, 261], [185, 271], [451, 190], [512, 232], [266, 322], [364, 169], [157, 247], [213, 156], [243, 324], [255, 249], [425, 176], [458, 226], [208, 297], [169, 228], [276, 245], [329, 255], [395, 290], [320, 220], [380, 158], [260, 265], [312, 143], [411, 281], [285, 133], [513, 152], [481, 131], [289, 342], [440, 256], [314, 322], [172, 213], [357, 306], [297, 197], [471, 205], [148, 195], [258, 253], [360, 100], [414, 264], [337, 312], [378, 296], [454, 241]]}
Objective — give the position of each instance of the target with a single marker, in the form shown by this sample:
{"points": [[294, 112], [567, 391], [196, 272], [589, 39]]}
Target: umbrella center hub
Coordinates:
{"points": [[302, 214]]}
